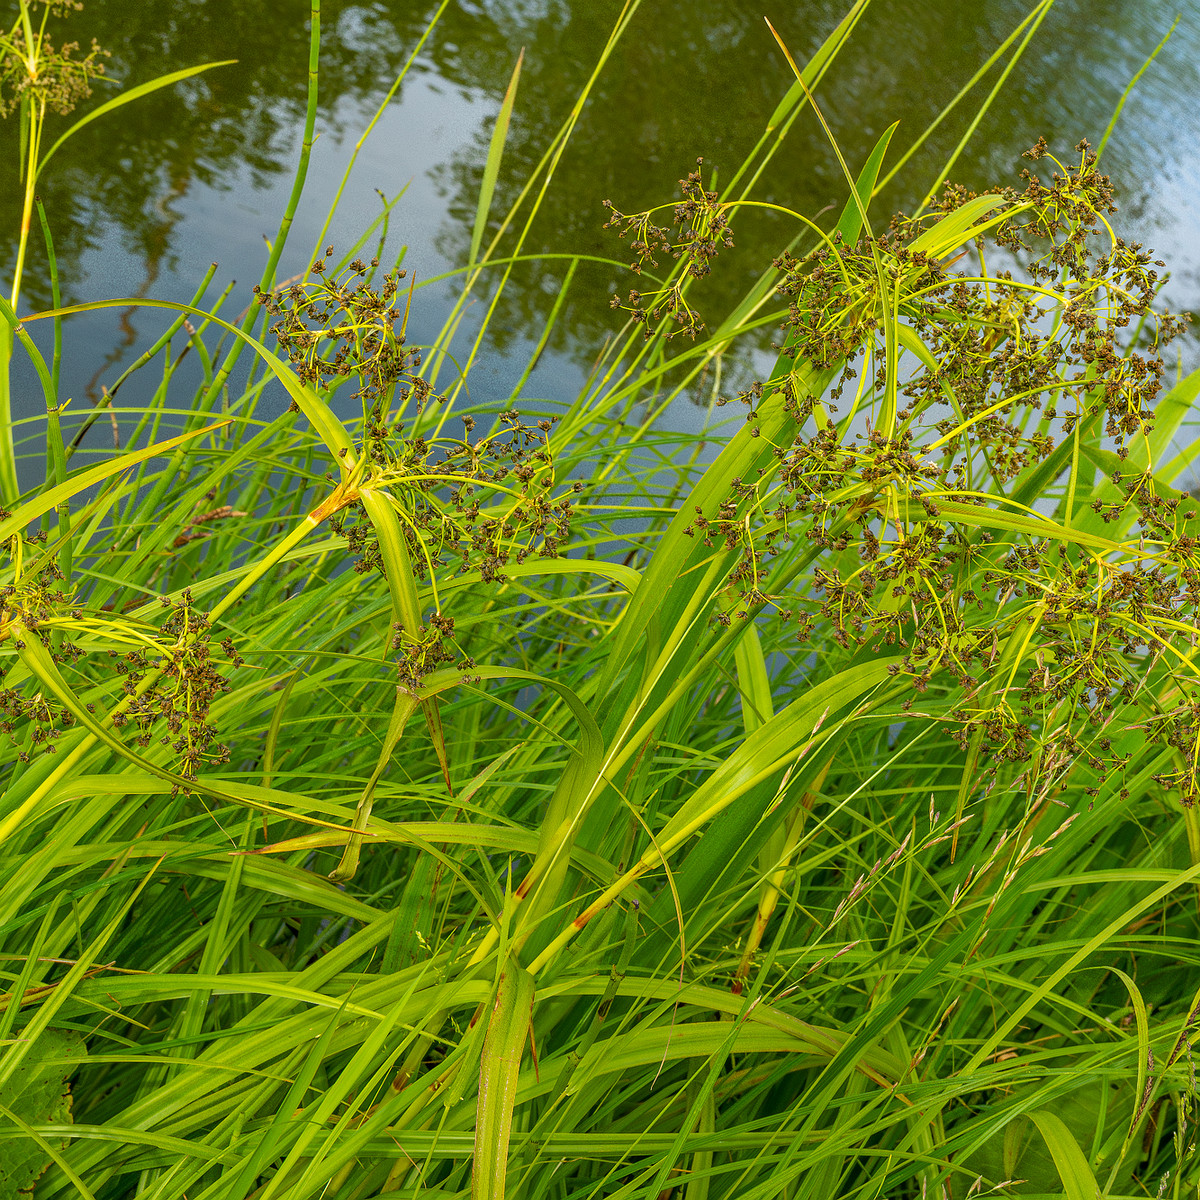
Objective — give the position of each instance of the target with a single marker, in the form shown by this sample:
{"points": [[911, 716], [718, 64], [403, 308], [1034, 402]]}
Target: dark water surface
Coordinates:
{"points": [[143, 201]]}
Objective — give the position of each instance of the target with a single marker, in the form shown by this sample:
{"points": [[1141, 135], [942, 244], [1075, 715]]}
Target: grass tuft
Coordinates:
{"points": [[409, 798]]}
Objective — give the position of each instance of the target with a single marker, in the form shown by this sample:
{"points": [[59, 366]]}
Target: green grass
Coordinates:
{"points": [[406, 799]]}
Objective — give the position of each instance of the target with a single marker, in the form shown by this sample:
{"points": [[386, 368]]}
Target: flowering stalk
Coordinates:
{"points": [[34, 78]]}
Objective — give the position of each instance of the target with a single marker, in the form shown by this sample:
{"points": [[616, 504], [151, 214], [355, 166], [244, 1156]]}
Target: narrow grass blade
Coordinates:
{"points": [[491, 168], [127, 97], [47, 501]]}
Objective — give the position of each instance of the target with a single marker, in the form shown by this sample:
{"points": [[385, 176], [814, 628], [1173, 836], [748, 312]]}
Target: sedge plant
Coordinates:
{"points": [[404, 798]]}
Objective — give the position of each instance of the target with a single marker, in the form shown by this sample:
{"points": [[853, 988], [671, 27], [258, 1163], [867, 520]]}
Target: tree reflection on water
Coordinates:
{"points": [[692, 77]]}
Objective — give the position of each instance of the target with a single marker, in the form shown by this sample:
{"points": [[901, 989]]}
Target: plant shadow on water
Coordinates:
{"points": [[412, 791]]}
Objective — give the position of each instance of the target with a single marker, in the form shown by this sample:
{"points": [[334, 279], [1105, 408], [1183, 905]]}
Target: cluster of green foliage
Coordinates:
{"points": [[403, 798]]}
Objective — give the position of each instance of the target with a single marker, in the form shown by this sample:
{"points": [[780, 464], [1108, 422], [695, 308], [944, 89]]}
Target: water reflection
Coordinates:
{"points": [[142, 202]]}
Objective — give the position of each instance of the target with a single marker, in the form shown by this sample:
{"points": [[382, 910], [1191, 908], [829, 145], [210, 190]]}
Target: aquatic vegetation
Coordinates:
{"points": [[407, 797]]}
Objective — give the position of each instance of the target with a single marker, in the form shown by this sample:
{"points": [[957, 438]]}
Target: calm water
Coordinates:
{"points": [[143, 202]]}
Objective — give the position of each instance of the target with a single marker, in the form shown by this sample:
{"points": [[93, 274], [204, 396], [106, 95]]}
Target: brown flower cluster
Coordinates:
{"points": [[472, 503], [422, 651], [28, 607], [170, 688], [34, 70], [337, 326], [167, 675], [983, 402], [700, 230]]}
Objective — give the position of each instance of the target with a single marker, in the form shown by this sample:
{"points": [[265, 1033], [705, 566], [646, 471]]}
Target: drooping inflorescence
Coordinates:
{"points": [[960, 468]]}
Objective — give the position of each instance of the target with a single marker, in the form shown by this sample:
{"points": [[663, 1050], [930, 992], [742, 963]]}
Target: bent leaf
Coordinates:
{"points": [[498, 1072], [134, 93]]}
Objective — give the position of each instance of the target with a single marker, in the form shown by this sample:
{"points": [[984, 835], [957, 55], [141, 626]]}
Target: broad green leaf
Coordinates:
{"points": [[762, 755], [1144, 1056], [958, 227], [698, 1040], [507, 1033], [769, 748], [981, 517], [753, 681], [850, 223], [1046, 1157], [39, 1093], [816, 65], [1073, 1169], [1170, 411]]}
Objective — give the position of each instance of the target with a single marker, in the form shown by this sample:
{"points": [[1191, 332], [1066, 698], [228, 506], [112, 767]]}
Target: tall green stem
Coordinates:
{"points": [[8, 455], [32, 114]]}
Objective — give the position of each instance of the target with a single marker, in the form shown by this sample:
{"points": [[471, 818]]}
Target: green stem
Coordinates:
{"points": [[32, 139], [9, 487], [9, 490]]}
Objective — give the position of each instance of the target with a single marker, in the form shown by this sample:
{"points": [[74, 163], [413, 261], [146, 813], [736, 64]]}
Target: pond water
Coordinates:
{"points": [[141, 203]]}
